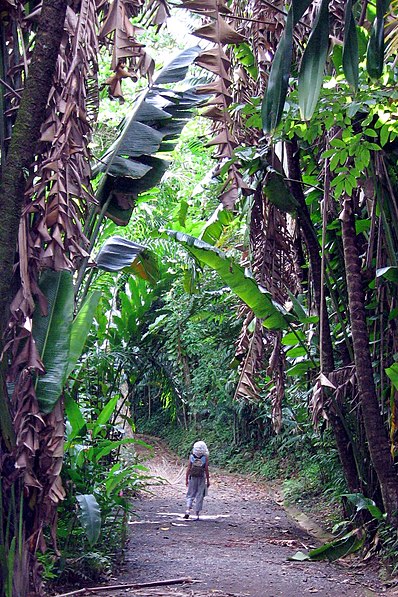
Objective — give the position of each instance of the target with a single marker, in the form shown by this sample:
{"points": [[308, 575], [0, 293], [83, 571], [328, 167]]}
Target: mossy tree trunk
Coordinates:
{"points": [[375, 430]]}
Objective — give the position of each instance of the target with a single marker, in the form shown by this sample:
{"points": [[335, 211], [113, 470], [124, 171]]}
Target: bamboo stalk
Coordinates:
{"points": [[157, 583]]}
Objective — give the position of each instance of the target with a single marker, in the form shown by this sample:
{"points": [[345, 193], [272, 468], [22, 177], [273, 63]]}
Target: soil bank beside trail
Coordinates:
{"points": [[240, 546]]}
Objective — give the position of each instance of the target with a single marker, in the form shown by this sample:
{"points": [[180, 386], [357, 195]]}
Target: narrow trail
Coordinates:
{"points": [[239, 547]]}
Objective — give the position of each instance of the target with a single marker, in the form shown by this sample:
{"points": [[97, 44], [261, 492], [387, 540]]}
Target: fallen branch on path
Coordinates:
{"points": [[144, 585]]}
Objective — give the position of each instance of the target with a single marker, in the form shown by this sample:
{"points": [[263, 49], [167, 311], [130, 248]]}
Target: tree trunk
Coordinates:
{"points": [[375, 430], [26, 133], [342, 439]]}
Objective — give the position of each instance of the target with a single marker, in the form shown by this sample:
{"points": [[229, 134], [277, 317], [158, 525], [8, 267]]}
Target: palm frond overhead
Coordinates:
{"points": [[132, 164]]}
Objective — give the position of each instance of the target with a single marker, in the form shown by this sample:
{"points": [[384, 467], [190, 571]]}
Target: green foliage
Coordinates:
{"points": [[240, 281], [334, 550], [350, 56], [52, 332], [313, 63], [375, 54], [80, 329], [90, 517], [311, 72], [120, 254], [274, 99]]}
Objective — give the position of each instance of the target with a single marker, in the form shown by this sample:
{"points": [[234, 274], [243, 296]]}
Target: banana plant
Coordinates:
{"points": [[132, 164]]}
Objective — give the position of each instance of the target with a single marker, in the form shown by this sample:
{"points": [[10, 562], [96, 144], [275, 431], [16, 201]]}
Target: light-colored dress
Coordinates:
{"points": [[196, 488]]}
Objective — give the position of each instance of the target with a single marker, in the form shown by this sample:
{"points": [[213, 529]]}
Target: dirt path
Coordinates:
{"points": [[239, 547]]}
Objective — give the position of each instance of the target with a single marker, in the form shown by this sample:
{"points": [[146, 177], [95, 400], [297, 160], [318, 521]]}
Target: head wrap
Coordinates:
{"points": [[200, 449]]}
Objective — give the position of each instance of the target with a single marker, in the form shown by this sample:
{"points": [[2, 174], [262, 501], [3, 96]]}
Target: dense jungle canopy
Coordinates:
{"points": [[199, 221]]}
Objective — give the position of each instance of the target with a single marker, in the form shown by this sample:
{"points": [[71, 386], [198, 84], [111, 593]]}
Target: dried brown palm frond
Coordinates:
{"points": [[129, 58], [273, 264], [156, 13], [250, 348], [341, 387]]}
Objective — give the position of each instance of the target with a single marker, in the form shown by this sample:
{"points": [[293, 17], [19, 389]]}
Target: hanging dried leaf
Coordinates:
{"points": [[219, 32], [128, 55]]}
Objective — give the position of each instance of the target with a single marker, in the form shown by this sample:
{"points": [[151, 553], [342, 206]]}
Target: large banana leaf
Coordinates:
{"points": [[313, 63], [52, 336], [119, 253], [334, 550], [239, 280], [132, 165]]}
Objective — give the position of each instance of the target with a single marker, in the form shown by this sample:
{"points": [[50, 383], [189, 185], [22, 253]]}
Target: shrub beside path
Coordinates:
{"points": [[239, 548]]}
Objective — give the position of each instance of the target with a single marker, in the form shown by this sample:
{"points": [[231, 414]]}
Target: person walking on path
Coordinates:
{"points": [[197, 477]]}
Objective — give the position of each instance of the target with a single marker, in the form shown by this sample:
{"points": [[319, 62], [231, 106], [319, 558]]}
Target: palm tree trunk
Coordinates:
{"points": [[375, 431], [343, 442]]}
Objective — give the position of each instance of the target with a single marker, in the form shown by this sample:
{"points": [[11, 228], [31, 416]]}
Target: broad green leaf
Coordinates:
{"points": [[384, 134], [118, 477], [297, 351], [339, 548], [350, 47], [80, 329], [298, 307], [375, 53], [389, 273], [75, 417], [300, 368], [313, 63], [90, 517], [362, 226], [52, 334], [240, 282], [122, 166], [275, 96], [363, 503], [119, 254], [212, 230], [292, 339], [105, 415], [278, 193], [107, 446], [392, 373], [177, 68]]}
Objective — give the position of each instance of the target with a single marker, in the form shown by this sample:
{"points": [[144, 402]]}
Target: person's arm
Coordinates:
{"points": [[188, 472], [207, 472]]}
